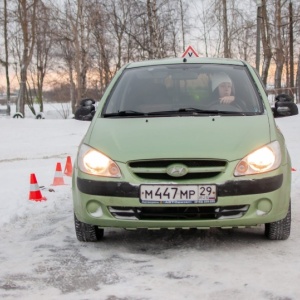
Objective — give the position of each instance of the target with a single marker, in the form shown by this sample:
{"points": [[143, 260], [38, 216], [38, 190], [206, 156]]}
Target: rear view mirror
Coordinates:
{"points": [[185, 75], [86, 110], [284, 106]]}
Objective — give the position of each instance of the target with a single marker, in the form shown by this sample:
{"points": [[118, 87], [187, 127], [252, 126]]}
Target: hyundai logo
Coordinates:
{"points": [[177, 170]]}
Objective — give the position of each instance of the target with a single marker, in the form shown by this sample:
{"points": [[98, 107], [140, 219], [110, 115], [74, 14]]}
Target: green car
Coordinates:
{"points": [[184, 143]]}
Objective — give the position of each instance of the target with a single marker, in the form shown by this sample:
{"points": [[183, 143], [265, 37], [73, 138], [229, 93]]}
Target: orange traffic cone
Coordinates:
{"points": [[58, 177], [68, 167], [35, 193]]}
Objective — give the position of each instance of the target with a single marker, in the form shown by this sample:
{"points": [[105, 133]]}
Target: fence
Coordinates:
{"points": [[3, 112]]}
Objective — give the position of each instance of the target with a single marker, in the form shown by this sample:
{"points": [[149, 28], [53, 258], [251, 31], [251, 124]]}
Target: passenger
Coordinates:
{"points": [[222, 88]]}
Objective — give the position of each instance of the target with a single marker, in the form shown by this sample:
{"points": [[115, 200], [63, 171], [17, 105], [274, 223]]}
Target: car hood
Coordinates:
{"points": [[218, 137]]}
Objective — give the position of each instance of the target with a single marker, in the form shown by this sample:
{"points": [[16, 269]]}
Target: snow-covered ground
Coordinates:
{"points": [[40, 257]]}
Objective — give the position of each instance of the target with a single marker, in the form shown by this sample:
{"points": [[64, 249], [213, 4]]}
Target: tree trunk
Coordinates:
{"points": [[266, 43], [298, 80], [72, 87], [279, 51], [225, 31], [44, 42], [40, 83], [81, 42], [6, 60], [154, 51], [27, 19], [23, 86], [291, 42], [182, 25]]}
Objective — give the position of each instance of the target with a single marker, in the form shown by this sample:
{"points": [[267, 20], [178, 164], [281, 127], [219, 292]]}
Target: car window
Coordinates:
{"points": [[184, 87]]}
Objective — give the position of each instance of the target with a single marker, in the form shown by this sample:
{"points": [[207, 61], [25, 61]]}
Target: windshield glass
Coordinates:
{"points": [[184, 89]]}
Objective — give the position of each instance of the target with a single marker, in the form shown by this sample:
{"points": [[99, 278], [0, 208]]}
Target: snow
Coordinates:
{"points": [[40, 257]]}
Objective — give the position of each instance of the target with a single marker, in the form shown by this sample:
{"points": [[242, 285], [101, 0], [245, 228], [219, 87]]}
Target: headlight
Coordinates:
{"points": [[94, 162], [265, 159]]}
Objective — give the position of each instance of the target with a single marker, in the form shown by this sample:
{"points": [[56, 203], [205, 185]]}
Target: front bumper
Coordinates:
{"points": [[240, 203], [229, 188]]}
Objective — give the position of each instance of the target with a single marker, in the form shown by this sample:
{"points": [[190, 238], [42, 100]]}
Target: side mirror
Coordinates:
{"points": [[284, 106], [86, 110]]}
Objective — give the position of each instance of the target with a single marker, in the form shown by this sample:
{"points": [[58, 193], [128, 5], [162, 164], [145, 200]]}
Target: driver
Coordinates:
{"points": [[222, 88]]}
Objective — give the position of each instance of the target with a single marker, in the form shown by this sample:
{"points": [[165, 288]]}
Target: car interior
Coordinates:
{"points": [[176, 87]]}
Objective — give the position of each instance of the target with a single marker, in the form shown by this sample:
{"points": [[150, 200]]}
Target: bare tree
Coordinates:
{"points": [[119, 15], [81, 30], [154, 50], [65, 50], [151, 29], [182, 20], [103, 46], [298, 78], [95, 38], [76, 36], [67, 56], [279, 47], [266, 42], [44, 42], [291, 45], [206, 20], [6, 58], [225, 30], [26, 13]]}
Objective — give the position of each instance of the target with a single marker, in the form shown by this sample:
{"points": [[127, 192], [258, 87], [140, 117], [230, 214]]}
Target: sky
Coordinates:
{"points": [[41, 258]]}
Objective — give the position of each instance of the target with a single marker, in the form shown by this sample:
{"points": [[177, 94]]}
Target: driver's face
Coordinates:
{"points": [[225, 89]]}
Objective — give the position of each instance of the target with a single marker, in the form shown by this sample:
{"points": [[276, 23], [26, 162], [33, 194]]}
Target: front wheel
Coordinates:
{"points": [[86, 232], [279, 230]]}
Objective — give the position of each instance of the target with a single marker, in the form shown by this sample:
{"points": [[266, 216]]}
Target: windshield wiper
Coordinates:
{"points": [[188, 110], [125, 113], [211, 112], [178, 111], [193, 111]]}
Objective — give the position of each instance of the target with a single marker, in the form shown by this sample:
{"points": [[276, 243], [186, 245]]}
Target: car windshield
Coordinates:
{"points": [[184, 89]]}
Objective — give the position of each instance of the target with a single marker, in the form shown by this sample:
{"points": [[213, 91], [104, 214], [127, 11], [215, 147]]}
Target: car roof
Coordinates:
{"points": [[179, 60]]}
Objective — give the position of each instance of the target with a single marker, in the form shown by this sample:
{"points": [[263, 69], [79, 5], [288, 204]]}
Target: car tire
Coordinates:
{"points": [[86, 232], [40, 115], [18, 115], [279, 230]]}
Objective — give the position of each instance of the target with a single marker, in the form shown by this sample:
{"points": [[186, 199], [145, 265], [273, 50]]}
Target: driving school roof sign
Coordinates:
{"points": [[190, 52]]}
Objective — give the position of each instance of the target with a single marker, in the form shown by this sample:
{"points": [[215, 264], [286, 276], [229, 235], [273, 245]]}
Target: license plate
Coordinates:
{"points": [[178, 194]]}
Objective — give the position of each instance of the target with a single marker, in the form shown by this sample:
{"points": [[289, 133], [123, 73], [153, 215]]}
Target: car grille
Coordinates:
{"points": [[178, 213], [197, 169]]}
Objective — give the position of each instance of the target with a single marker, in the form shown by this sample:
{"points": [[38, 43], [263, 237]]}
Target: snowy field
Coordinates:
{"points": [[40, 257], [51, 110]]}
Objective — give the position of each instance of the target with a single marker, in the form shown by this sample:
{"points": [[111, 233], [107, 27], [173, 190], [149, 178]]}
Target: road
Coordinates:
{"points": [[43, 260], [40, 257]]}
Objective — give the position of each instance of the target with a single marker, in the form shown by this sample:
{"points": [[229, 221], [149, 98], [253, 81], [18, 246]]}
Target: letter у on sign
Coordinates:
{"points": [[190, 52]]}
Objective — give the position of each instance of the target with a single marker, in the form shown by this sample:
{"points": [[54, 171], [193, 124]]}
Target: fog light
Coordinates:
{"points": [[264, 206], [93, 207]]}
